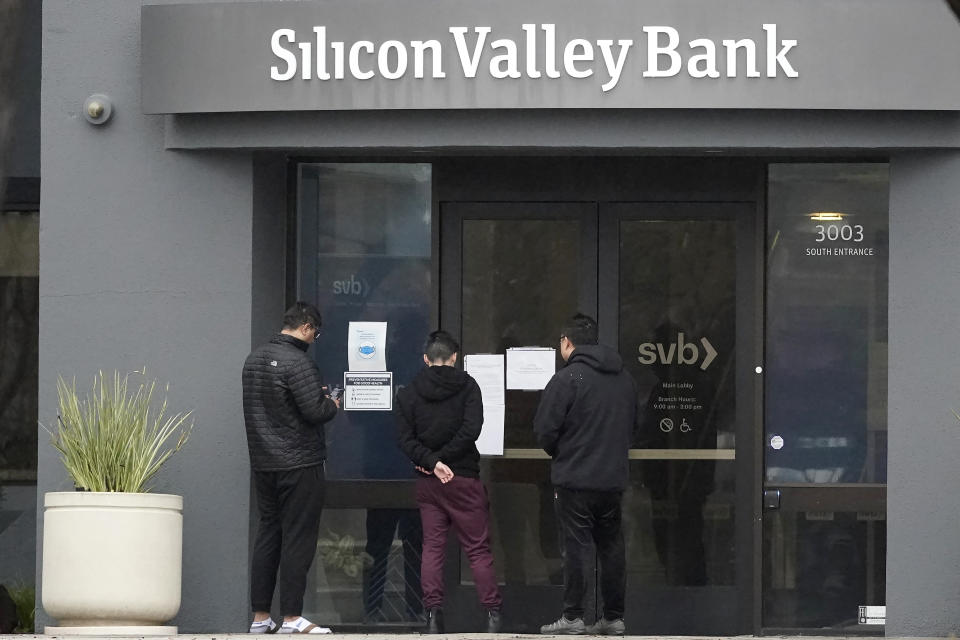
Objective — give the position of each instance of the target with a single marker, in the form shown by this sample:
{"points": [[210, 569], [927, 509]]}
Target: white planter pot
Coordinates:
{"points": [[112, 562]]}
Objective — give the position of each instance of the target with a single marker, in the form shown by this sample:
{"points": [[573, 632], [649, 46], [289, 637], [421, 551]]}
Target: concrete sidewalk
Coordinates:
{"points": [[448, 636]]}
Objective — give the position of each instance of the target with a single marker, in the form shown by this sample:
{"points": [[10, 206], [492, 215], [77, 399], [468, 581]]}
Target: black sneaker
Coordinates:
{"points": [[493, 621], [434, 621], [604, 627], [564, 627]]}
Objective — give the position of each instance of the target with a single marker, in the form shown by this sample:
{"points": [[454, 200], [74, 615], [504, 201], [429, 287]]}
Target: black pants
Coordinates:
{"points": [[591, 519], [289, 503]]}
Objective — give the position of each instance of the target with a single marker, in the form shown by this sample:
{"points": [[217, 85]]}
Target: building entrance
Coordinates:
{"points": [[673, 287]]}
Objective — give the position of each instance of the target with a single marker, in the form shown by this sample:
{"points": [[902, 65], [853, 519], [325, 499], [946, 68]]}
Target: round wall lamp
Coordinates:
{"points": [[97, 109]]}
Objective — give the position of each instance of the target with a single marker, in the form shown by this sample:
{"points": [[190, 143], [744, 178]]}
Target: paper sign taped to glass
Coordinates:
{"points": [[367, 346], [530, 368], [368, 391], [487, 370]]}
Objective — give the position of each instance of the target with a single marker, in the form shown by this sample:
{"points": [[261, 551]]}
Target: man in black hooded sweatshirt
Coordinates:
{"points": [[439, 417], [585, 423]]}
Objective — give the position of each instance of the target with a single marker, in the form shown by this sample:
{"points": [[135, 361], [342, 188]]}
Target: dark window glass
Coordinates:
{"points": [[820, 567], [509, 303], [677, 328], [19, 322], [826, 344], [677, 298], [364, 247], [367, 569]]}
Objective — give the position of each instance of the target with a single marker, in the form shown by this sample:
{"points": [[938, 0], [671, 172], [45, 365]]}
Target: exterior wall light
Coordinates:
{"points": [[826, 215], [97, 109]]}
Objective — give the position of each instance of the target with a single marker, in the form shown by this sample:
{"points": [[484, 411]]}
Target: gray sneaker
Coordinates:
{"points": [[564, 627], [604, 627]]}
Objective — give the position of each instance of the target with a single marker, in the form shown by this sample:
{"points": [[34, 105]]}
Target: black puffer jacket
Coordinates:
{"points": [[586, 419], [284, 406], [439, 417]]}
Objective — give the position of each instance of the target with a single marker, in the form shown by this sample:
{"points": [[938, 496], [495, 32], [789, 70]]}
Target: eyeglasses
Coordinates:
{"points": [[317, 332]]}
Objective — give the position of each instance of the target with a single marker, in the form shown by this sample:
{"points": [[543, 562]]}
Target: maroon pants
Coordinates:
{"points": [[463, 503]]}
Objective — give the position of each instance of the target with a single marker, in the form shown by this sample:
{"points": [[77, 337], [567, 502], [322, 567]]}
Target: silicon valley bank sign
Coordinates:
{"points": [[211, 57], [537, 55]]}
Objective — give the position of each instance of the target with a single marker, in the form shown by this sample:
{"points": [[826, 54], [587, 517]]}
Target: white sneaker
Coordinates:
{"points": [[302, 625], [264, 626]]}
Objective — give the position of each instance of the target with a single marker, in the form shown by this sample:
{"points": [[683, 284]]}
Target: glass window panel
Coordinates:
{"points": [[819, 567], [826, 338], [677, 297], [364, 240], [523, 527], [19, 323], [508, 304], [678, 302], [367, 568], [679, 526]]}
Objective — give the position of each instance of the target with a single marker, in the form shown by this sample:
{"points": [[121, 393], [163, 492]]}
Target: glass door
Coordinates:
{"points": [[510, 274], [677, 297], [672, 286]]}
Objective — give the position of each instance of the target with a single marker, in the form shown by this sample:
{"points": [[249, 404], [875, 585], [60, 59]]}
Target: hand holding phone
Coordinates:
{"points": [[336, 391]]}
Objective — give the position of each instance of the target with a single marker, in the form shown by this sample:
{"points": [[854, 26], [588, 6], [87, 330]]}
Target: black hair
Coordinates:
{"points": [[581, 329], [440, 345], [302, 313]]}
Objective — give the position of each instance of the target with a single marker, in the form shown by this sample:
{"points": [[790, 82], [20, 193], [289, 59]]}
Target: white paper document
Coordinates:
{"points": [[368, 391], [490, 442], [367, 346], [487, 370], [530, 368]]}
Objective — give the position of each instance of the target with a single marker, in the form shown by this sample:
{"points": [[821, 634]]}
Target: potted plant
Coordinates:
{"points": [[111, 550]]}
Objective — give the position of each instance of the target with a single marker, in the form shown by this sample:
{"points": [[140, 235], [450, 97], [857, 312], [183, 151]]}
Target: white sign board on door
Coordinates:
{"points": [[368, 391]]}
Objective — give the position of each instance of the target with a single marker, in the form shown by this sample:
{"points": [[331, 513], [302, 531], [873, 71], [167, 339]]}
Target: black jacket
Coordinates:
{"points": [[439, 417], [585, 421], [284, 406]]}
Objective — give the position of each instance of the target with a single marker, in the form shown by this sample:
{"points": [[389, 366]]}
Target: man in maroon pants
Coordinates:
{"points": [[439, 416]]}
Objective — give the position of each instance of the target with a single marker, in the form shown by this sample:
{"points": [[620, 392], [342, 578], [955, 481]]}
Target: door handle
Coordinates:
{"points": [[771, 499]]}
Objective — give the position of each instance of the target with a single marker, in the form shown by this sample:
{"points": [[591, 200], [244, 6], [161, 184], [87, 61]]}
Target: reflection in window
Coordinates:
{"points": [[366, 569], [19, 322], [826, 338], [364, 245], [820, 567]]}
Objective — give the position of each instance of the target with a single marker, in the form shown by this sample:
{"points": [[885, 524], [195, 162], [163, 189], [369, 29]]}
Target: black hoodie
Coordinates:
{"points": [[439, 417], [585, 421]]}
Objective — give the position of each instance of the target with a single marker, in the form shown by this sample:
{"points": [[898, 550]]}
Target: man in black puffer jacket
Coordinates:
{"points": [[439, 417], [585, 422], [285, 406]]}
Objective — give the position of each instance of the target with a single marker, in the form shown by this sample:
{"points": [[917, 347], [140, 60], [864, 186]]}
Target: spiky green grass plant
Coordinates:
{"points": [[112, 439], [24, 596]]}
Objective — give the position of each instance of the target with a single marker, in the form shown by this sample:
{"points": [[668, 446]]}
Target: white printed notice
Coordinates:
{"points": [[490, 442], [367, 346], [367, 391], [530, 368], [487, 370]]}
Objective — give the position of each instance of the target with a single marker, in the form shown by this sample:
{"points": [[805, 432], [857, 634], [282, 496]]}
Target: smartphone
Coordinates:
{"points": [[336, 391]]}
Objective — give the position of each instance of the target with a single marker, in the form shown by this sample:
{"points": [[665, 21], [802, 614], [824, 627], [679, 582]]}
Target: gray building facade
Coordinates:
{"points": [[174, 235]]}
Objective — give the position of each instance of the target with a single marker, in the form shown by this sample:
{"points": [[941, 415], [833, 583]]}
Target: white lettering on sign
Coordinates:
{"points": [[477, 52], [680, 352]]}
